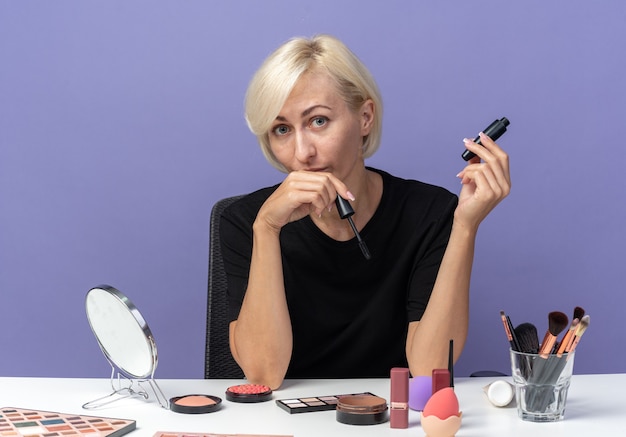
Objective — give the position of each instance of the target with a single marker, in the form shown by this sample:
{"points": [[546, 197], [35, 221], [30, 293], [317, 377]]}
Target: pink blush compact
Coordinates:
{"points": [[248, 393], [195, 404]]}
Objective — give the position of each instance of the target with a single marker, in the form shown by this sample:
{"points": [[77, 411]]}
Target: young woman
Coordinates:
{"points": [[304, 301]]}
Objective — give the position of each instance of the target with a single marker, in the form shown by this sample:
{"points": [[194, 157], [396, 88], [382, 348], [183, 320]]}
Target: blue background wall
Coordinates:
{"points": [[121, 124]]}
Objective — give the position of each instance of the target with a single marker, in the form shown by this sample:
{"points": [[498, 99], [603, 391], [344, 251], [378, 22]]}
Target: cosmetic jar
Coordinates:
{"points": [[500, 393], [362, 410], [248, 393], [195, 404]]}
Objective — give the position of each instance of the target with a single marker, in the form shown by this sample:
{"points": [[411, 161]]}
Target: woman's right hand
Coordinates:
{"points": [[301, 193]]}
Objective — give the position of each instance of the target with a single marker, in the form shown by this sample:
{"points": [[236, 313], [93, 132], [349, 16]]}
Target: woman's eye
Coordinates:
{"points": [[319, 121], [281, 130]]}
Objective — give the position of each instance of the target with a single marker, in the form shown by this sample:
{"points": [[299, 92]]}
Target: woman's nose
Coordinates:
{"points": [[304, 147]]}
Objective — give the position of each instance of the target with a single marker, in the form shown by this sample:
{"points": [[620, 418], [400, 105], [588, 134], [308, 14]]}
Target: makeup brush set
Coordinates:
{"points": [[541, 364]]}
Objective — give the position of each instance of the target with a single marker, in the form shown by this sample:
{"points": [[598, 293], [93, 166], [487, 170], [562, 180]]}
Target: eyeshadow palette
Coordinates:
{"points": [[316, 403], [191, 434], [16, 422]]}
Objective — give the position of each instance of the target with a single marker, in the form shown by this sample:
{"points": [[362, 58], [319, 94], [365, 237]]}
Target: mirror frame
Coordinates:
{"points": [[108, 339]]}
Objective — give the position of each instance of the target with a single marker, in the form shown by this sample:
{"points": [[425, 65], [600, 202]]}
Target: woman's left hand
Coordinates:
{"points": [[486, 181]]}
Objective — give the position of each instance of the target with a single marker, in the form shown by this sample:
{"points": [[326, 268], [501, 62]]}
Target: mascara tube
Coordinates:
{"points": [[493, 131]]}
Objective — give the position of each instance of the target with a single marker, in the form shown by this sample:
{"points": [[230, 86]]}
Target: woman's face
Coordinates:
{"points": [[317, 131]]}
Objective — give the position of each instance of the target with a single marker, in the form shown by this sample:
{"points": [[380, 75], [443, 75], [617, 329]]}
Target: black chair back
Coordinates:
{"points": [[219, 362]]}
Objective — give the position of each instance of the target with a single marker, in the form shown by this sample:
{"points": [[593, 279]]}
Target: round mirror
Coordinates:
{"points": [[122, 333]]}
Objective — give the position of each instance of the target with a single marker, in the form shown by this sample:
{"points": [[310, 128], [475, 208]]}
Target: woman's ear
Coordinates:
{"points": [[366, 113]]}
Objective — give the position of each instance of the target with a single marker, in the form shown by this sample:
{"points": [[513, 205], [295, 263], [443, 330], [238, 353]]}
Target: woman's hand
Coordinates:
{"points": [[300, 194], [486, 181]]}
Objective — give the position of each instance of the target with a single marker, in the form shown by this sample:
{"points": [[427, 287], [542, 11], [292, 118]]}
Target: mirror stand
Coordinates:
{"points": [[122, 387]]}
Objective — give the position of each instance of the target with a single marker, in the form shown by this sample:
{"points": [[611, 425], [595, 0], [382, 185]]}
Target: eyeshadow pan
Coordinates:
{"points": [[30, 430], [52, 421], [310, 404], [63, 427], [24, 424]]}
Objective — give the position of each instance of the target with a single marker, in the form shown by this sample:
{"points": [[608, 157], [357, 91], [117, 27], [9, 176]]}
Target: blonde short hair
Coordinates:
{"points": [[275, 79]]}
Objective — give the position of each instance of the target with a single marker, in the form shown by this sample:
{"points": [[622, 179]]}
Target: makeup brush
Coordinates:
{"points": [[509, 331], [579, 312], [582, 327], [557, 322], [526, 334], [568, 337]]}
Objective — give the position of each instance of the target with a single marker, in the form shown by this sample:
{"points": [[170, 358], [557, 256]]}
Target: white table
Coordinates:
{"points": [[596, 406]]}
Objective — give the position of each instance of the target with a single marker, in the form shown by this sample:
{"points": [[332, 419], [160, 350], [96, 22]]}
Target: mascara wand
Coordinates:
{"points": [[346, 212]]}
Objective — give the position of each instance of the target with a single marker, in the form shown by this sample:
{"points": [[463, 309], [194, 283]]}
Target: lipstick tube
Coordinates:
{"points": [[441, 379], [399, 399]]}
